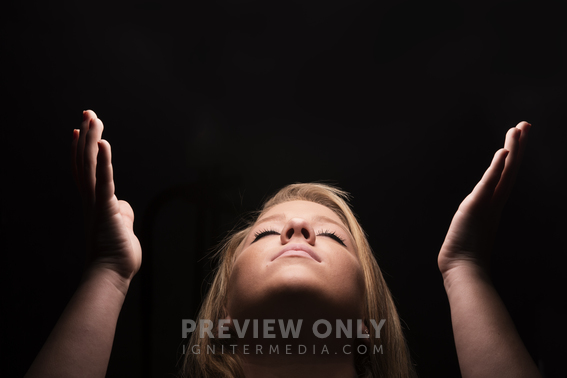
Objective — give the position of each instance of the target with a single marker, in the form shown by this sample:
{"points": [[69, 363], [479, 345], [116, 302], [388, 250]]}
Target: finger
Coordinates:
{"points": [[516, 140], [104, 174], [483, 191], [512, 137], [80, 158], [74, 156], [525, 128], [523, 141], [90, 159], [91, 113]]}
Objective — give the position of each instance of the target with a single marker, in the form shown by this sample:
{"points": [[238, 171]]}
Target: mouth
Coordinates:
{"points": [[297, 250]]}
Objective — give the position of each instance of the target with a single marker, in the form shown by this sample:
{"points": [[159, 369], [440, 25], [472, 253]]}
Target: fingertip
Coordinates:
{"points": [[89, 119], [104, 147], [501, 154], [105, 142], [94, 122], [524, 126], [88, 114], [514, 133]]}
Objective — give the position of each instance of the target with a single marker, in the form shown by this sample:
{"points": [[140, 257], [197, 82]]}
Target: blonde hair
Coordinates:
{"points": [[395, 360]]}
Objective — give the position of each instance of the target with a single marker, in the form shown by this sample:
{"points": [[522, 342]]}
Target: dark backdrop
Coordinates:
{"points": [[210, 108]]}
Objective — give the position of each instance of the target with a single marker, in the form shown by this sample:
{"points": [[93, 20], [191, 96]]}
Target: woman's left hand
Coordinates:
{"points": [[473, 228]]}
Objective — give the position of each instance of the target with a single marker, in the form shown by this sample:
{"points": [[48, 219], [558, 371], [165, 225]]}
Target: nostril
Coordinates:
{"points": [[289, 233], [305, 233]]}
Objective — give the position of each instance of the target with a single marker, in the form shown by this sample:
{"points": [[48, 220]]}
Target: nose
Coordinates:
{"points": [[300, 229]]}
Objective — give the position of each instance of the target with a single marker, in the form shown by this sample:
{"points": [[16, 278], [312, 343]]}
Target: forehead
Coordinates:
{"points": [[302, 209]]}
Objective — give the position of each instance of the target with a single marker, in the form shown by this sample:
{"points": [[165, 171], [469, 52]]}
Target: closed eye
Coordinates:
{"points": [[332, 235], [260, 234]]}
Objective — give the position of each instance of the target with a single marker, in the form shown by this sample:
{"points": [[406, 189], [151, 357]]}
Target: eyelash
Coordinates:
{"points": [[331, 234]]}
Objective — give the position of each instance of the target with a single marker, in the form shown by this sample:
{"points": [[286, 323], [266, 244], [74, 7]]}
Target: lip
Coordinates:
{"points": [[302, 250]]}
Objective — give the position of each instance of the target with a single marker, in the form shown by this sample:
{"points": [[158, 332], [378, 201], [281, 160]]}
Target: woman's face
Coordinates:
{"points": [[298, 261]]}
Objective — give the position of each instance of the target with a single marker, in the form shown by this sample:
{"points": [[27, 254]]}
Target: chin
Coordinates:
{"points": [[291, 292]]}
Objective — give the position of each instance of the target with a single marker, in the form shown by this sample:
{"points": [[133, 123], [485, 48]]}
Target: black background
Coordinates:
{"points": [[210, 108]]}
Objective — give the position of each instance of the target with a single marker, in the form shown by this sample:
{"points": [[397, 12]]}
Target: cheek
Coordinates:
{"points": [[347, 278], [243, 275], [245, 280]]}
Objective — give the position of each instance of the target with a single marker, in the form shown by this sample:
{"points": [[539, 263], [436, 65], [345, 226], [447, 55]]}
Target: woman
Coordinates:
{"points": [[305, 258], [261, 277]]}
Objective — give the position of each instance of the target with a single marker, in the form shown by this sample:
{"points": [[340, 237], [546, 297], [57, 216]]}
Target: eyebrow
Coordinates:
{"points": [[317, 218]]}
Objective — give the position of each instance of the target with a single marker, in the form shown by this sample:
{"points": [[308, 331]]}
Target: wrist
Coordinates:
{"points": [[465, 273], [106, 275]]}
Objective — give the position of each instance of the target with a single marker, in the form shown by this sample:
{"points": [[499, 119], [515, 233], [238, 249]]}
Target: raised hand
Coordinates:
{"points": [[111, 243], [486, 340], [81, 341], [473, 228]]}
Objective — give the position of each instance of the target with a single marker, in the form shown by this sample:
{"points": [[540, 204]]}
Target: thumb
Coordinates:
{"points": [[127, 213]]}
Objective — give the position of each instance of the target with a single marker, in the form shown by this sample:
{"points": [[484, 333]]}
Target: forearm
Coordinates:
{"points": [[81, 341], [486, 339]]}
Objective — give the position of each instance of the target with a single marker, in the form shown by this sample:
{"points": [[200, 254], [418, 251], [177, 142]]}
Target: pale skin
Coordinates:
{"points": [[295, 286], [335, 278], [486, 340], [114, 258]]}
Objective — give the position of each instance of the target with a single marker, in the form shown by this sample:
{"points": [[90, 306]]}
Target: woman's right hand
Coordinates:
{"points": [[111, 243], [473, 229]]}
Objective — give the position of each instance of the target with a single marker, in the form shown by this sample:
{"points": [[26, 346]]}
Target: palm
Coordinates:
{"points": [[114, 240], [469, 237], [109, 222], [475, 223]]}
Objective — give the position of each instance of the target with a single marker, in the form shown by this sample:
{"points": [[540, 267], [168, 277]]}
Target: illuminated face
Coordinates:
{"points": [[299, 260]]}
